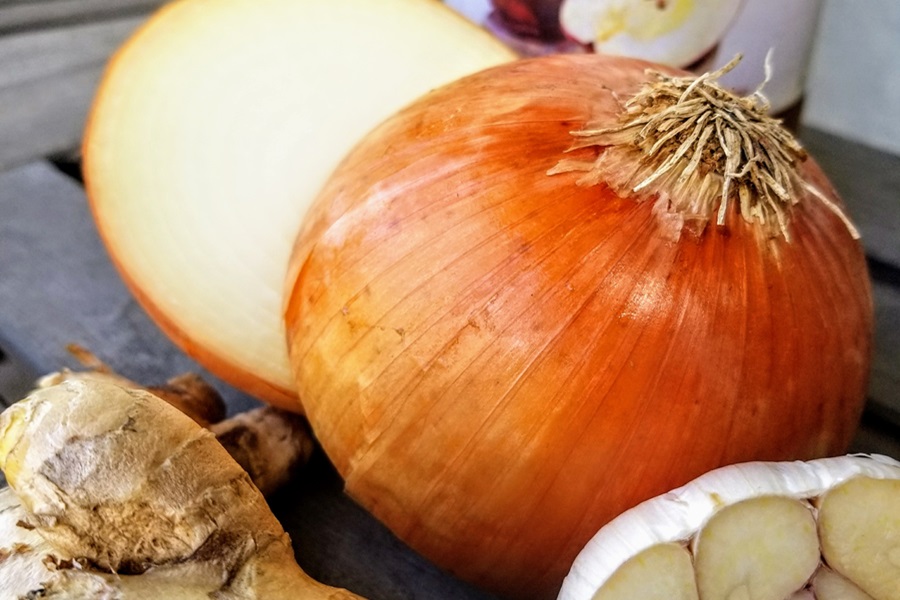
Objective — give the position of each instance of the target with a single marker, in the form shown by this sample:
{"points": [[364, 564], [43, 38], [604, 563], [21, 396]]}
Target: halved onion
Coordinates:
{"points": [[756, 531], [214, 127]]}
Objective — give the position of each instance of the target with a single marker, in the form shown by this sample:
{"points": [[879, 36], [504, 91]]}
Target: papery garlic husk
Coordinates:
{"points": [[500, 360], [765, 552]]}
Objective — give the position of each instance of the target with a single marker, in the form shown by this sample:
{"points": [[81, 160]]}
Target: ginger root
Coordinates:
{"points": [[116, 494], [267, 442], [187, 392]]}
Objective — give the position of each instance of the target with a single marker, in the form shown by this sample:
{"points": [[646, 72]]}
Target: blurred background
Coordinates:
{"points": [[853, 72], [52, 53], [853, 86]]}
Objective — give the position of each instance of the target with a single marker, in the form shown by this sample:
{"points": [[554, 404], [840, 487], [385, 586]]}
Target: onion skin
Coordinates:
{"points": [[499, 361]]}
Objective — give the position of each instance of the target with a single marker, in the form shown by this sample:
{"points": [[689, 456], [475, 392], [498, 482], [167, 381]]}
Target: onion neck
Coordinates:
{"points": [[699, 147]]}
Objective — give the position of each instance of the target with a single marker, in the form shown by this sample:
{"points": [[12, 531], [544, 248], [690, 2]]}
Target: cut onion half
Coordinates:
{"points": [[675, 33], [825, 529], [212, 130]]}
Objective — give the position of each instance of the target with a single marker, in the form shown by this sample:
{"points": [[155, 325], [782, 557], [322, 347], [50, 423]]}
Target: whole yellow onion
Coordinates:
{"points": [[505, 334]]}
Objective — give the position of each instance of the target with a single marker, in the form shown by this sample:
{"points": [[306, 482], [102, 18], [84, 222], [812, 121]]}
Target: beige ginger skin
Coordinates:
{"points": [[116, 494]]}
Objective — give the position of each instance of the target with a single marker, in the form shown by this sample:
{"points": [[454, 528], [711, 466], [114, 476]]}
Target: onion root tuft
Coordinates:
{"points": [[699, 147]]}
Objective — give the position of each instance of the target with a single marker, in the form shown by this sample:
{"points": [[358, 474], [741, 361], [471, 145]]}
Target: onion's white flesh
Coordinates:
{"points": [[739, 517], [213, 129], [676, 34]]}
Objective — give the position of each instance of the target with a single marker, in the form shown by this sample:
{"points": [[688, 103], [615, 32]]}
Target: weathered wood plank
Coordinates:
{"points": [[45, 117], [47, 82], [884, 384], [23, 15], [869, 182], [38, 55], [57, 286], [15, 382]]}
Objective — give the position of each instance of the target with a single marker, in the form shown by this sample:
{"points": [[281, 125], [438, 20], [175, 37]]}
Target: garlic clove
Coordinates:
{"points": [[859, 525], [661, 572], [759, 549], [759, 531], [828, 585], [675, 33]]}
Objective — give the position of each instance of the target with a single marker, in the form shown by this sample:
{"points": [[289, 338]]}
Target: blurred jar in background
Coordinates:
{"points": [[698, 35]]}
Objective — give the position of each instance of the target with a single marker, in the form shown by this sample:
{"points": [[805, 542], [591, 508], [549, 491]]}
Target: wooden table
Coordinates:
{"points": [[57, 285]]}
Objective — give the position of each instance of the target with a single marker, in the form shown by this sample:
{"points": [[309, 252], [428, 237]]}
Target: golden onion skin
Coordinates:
{"points": [[499, 361]]}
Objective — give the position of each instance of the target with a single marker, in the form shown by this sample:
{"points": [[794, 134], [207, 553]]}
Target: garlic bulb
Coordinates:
{"points": [[823, 529]]}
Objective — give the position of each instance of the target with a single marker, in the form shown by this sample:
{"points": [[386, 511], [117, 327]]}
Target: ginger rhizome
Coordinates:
{"points": [[269, 443], [115, 493]]}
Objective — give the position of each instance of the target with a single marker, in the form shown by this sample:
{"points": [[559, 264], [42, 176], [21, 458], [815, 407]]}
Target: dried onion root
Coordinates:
{"points": [[698, 146], [827, 529]]}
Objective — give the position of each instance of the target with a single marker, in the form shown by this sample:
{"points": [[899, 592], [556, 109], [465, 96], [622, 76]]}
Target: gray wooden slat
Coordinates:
{"points": [[57, 286], [44, 118], [884, 384], [15, 380], [43, 14], [876, 439], [37, 55], [47, 82], [868, 180]]}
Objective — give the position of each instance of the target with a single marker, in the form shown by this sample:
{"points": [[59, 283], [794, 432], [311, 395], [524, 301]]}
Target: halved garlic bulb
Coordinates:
{"points": [[672, 32], [823, 529]]}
